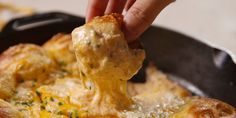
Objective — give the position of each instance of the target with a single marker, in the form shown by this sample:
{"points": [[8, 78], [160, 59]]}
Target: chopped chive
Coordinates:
{"points": [[22, 110], [15, 92], [88, 43], [42, 107], [82, 73], [38, 93], [70, 114], [60, 113], [51, 98], [97, 45], [29, 103], [21, 81], [60, 103], [35, 80], [73, 114], [62, 63], [45, 102]]}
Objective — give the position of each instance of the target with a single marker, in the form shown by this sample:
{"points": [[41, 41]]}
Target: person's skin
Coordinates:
{"points": [[138, 14]]}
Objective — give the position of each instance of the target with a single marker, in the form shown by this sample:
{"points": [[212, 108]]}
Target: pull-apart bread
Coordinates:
{"points": [[85, 75]]}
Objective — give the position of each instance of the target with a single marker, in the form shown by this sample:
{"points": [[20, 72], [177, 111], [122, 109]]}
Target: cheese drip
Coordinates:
{"points": [[106, 63]]}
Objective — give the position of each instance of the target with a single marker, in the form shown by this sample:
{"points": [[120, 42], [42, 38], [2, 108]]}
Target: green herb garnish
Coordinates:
{"points": [[25, 103], [73, 114], [60, 103], [82, 73], [52, 99], [62, 63], [38, 93], [42, 107], [60, 113]]}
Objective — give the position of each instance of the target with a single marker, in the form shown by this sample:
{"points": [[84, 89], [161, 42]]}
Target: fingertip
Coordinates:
{"points": [[141, 15], [89, 17], [115, 6], [95, 8], [129, 34]]}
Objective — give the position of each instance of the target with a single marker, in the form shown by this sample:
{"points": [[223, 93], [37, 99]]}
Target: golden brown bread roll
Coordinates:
{"points": [[62, 43], [22, 62], [24, 69], [106, 62], [102, 50], [198, 107], [60, 49]]}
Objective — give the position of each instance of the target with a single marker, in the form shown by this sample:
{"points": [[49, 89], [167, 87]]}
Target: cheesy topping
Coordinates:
{"points": [[106, 62], [23, 62], [53, 82]]}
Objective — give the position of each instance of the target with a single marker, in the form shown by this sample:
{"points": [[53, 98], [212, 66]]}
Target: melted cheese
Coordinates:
{"points": [[63, 99], [37, 85], [106, 62], [23, 62]]}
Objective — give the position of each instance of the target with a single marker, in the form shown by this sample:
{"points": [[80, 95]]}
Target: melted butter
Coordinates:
{"points": [[106, 63]]}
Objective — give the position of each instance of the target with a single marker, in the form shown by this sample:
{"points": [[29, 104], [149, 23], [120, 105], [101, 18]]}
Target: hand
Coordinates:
{"points": [[138, 14]]}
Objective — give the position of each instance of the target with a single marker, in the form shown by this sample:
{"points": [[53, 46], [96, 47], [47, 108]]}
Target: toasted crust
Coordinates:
{"points": [[25, 61], [107, 24], [71, 96], [7, 85], [157, 81], [60, 43], [158, 86], [22, 62], [176, 100], [66, 58], [114, 18], [198, 107], [8, 111]]}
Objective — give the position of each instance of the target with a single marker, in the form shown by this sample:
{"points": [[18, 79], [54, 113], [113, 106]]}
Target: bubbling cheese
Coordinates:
{"points": [[106, 62]]}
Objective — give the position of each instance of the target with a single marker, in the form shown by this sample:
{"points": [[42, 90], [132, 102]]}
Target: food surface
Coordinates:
{"points": [[86, 77], [106, 62]]}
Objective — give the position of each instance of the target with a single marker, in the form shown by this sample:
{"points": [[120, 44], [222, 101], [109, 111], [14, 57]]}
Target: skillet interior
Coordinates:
{"points": [[172, 52]]}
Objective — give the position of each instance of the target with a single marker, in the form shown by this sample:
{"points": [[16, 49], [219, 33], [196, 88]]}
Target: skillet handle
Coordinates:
{"points": [[38, 20], [37, 28], [221, 58]]}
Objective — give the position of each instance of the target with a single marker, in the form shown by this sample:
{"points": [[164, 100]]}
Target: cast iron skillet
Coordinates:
{"points": [[210, 70]]}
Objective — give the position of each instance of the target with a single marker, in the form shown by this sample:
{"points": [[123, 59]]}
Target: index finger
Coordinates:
{"points": [[96, 8], [140, 16]]}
